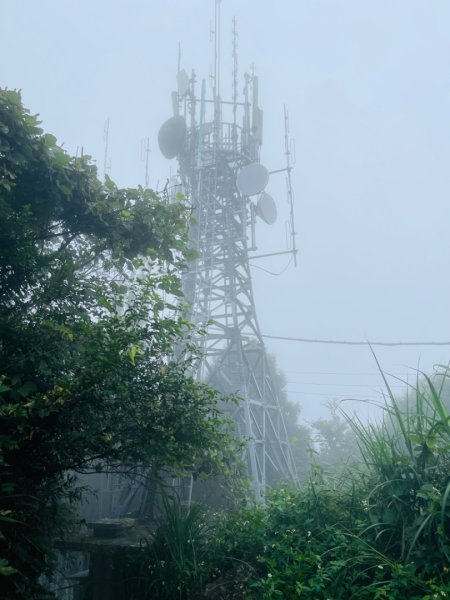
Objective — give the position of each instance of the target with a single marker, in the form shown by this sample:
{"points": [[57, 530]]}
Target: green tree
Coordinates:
{"points": [[336, 442], [88, 278]]}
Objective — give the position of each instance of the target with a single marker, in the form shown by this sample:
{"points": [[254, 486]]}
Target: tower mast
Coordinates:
{"points": [[218, 150]]}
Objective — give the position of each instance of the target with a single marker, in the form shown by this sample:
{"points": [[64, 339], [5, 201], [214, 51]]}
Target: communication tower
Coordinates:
{"points": [[217, 145]]}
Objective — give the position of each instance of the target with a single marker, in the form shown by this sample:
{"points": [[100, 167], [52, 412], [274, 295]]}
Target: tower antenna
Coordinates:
{"points": [[216, 77], [290, 158], [217, 49], [235, 82], [145, 151], [106, 159], [224, 183]]}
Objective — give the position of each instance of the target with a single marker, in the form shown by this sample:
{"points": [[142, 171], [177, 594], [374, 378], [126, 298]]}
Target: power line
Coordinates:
{"points": [[359, 398], [350, 343], [340, 373], [363, 385]]}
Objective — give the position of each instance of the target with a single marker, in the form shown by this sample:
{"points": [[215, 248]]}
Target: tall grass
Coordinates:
{"points": [[407, 457], [379, 530], [173, 563]]}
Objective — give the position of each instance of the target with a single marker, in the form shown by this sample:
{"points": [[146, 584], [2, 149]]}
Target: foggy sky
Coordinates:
{"points": [[367, 86]]}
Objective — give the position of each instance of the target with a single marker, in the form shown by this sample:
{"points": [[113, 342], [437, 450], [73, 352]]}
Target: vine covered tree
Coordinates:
{"points": [[88, 274]]}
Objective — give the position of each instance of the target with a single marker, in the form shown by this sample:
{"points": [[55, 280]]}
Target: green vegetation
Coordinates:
{"points": [[377, 530], [89, 275], [336, 446]]}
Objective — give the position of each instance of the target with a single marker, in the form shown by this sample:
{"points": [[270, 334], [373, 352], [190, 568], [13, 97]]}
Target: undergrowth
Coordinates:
{"points": [[378, 530]]}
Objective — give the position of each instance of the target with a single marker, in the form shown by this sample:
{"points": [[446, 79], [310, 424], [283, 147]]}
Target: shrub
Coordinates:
{"points": [[408, 463]]}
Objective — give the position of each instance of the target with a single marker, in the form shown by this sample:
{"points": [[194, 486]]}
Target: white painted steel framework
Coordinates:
{"points": [[211, 154]]}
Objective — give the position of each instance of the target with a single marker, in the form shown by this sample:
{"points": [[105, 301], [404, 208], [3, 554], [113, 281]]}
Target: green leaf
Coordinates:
{"points": [[62, 329], [49, 140], [104, 303], [27, 388], [61, 159], [5, 568], [133, 352], [12, 97]]}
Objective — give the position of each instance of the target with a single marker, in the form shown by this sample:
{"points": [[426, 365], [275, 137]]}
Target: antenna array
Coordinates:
{"points": [[217, 144]]}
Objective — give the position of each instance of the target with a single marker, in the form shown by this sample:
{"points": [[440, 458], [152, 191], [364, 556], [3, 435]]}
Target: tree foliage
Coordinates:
{"points": [[336, 443], [380, 531], [88, 275]]}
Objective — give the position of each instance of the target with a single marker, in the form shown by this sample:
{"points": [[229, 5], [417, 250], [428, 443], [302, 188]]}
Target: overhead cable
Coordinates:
{"points": [[357, 398], [351, 343]]}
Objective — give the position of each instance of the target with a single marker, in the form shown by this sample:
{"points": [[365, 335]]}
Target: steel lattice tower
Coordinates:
{"points": [[217, 145]]}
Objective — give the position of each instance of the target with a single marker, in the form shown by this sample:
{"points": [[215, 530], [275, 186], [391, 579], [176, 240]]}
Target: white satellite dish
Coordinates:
{"points": [[252, 179], [171, 136], [266, 209]]}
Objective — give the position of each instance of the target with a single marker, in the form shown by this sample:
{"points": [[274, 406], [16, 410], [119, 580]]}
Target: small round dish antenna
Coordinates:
{"points": [[266, 209], [252, 179], [171, 136]]}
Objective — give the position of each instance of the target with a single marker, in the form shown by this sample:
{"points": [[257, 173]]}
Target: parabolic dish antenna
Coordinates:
{"points": [[252, 179], [171, 136], [266, 209]]}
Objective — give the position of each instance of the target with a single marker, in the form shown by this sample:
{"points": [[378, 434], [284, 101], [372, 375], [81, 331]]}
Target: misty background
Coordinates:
{"points": [[367, 88]]}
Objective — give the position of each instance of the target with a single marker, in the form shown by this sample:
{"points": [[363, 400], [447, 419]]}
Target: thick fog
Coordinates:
{"points": [[367, 87]]}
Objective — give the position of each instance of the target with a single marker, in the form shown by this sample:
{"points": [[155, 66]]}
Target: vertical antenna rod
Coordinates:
{"points": [[235, 72], [216, 75], [290, 192], [217, 49], [147, 152], [106, 156]]}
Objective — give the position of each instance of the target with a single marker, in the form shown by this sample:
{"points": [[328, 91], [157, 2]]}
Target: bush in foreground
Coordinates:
{"points": [[379, 531]]}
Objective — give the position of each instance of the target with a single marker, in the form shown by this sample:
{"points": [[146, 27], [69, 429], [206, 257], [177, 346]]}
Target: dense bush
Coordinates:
{"points": [[381, 530]]}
